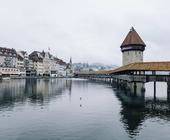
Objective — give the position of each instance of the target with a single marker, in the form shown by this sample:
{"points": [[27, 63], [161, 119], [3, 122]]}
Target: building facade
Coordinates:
{"points": [[69, 69], [36, 64], [8, 61], [37, 60], [8, 57], [61, 68], [46, 63], [22, 62]]}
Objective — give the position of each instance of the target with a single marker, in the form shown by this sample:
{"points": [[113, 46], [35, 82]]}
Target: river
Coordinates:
{"points": [[75, 109]]}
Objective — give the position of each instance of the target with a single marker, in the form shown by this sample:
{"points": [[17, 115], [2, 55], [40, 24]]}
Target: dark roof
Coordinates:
{"points": [[36, 56], [23, 52], [20, 57], [61, 62], [8, 52], [132, 38], [43, 54]]}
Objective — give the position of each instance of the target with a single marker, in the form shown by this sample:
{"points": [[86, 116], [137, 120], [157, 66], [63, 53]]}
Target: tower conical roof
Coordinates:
{"points": [[132, 38]]}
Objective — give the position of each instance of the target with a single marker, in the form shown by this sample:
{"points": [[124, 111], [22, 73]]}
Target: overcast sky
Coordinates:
{"points": [[86, 30]]}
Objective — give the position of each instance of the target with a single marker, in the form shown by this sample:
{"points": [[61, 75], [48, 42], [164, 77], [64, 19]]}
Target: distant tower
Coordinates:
{"points": [[132, 48], [69, 69], [70, 61]]}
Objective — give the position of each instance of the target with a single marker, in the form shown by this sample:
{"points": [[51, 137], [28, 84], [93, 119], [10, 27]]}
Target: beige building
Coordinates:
{"points": [[47, 61], [22, 59], [37, 60]]}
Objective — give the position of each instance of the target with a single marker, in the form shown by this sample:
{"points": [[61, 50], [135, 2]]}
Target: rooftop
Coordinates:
{"points": [[8, 51], [143, 66], [132, 38]]}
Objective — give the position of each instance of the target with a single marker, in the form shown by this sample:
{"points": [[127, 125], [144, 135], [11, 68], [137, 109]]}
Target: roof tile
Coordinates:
{"points": [[132, 38]]}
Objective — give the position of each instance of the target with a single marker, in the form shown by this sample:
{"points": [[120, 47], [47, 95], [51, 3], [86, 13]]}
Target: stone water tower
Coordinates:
{"points": [[132, 48]]}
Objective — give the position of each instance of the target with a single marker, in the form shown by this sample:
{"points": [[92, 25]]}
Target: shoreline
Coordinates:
{"points": [[32, 77]]}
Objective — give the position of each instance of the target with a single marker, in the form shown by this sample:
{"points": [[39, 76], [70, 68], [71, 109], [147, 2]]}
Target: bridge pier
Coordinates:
{"points": [[110, 80], [154, 90], [118, 83], [168, 90], [136, 88]]}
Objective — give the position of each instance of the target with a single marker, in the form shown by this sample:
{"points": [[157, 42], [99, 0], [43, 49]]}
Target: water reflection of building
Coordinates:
{"points": [[46, 89], [11, 92], [32, 90], [136, 110]]}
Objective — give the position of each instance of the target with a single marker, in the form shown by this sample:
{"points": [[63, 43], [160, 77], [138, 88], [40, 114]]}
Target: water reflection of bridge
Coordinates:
{"points": [[34, 90], [136, 110]]}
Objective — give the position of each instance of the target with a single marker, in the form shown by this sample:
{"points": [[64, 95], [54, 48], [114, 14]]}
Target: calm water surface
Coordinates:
{"points": [[65, 109]]}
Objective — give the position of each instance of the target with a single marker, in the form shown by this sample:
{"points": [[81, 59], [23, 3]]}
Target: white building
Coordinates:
{"points": [[69, 69], [39, 67], [6, 71], [8, 61], [8, 57], [46, 63], [61, 68], [53, 68], [22, 62]]}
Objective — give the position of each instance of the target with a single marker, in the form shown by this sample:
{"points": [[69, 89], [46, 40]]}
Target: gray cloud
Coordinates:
{"points": [[87, 30]]}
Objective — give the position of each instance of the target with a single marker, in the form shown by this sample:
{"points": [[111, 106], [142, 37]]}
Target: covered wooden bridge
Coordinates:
{"points": [[139, 68], [133, 75]]}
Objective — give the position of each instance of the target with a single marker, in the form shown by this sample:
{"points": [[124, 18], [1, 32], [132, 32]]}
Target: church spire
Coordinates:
{"points": [[70, 60], [132, 29]]}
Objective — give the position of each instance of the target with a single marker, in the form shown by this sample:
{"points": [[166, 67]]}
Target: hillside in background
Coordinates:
{"points": [[92, 67]]}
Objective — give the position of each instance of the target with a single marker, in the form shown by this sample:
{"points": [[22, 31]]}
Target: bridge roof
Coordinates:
{"points": [[143, 66], [94, 72], [140, 66]]}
